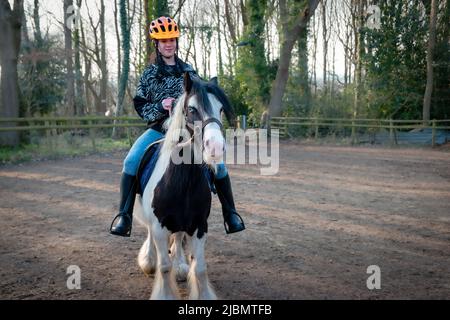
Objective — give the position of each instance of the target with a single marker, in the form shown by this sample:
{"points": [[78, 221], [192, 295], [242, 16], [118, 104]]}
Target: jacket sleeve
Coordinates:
{"points": [[146, 109]]}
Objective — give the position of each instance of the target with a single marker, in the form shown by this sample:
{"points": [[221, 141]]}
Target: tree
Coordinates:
{"points": [[70, 78], [441, 70], [394, 59], [430, 58], [10, 26], [153, 9], [125, 29], [290, 33], [79, 88], [103, 62], [41, 71], [252, 70]]}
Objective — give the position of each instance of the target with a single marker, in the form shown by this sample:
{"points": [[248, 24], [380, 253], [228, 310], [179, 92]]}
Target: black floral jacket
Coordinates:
{"points": [[158, 82]]}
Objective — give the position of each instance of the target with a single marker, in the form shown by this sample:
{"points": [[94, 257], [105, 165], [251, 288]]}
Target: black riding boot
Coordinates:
{"points": [[128, 186], [232, 220]]}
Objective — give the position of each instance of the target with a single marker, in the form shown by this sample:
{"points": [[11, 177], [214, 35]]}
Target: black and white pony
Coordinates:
{"points": [[177, 199]]}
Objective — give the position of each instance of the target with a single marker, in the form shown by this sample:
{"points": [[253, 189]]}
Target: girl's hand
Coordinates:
{"points": [[167, 104]]}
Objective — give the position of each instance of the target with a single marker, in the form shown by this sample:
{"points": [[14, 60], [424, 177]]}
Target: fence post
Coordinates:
{"points": [[286, 128], [391, 132], [433, 134], [316, 133], [244, 122], [48, 135], [92, 135], [353, 131]]}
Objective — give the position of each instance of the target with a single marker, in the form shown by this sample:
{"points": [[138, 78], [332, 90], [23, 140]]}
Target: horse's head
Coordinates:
{"points": [[200, 110]]}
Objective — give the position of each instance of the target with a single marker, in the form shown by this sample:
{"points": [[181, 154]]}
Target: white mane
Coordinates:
{"points": [[174, 125]]}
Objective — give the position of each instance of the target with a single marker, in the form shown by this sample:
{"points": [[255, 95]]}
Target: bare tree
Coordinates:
{"points": [[325, 38], [219, 38], [103, 63], [79, 88], [70, 77], [314, 55], [291, 34], [10, 26]]}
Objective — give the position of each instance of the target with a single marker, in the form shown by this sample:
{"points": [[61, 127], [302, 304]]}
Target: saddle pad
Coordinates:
{"points": [[147, 165]]}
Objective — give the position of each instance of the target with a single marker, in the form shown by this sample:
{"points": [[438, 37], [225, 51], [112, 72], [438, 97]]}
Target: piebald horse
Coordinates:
{"points": [[176, 202]]}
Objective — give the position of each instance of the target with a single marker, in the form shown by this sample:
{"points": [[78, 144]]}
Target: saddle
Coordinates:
{"points": [[148, 163]]}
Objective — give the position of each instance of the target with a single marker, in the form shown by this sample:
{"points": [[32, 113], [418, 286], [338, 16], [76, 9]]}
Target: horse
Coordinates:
{"points": [[176, 202]]}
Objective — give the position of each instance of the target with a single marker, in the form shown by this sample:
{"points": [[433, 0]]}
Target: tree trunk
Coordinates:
{"points": [[303, 68], [125, 30], [325, 45], [10, 26], [314, 56], [219, 38], [116, 27], [87, 71], [430, 55], [290, 36], [70, 78], [103, 63], [148, 7], [37, 24], [358, 67], [79, 97]]}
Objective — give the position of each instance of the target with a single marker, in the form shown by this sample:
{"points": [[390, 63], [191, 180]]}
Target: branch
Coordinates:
{"points": [[180, 5]]}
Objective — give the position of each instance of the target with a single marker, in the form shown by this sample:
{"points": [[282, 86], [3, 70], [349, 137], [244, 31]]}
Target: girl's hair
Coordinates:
{"points": [[156, 58]]}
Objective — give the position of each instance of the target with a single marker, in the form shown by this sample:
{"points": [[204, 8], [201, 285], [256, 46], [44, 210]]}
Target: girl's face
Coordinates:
{"points": [[167, 47]]}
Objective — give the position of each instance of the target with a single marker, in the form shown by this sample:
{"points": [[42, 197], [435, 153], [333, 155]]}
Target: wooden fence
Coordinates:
{"points": [[55, 125], [283, 124], [366, 126]]}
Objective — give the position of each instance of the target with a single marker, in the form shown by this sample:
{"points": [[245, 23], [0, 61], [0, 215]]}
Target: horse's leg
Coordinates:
{"points": [[199, 286], [146, 257], [164, 286], [178, 257]]}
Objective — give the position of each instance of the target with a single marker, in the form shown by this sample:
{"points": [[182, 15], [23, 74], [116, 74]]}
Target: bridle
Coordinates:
{"points": [[191, 125]]}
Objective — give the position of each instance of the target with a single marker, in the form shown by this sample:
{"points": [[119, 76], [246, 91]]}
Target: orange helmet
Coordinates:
{"points": [[164, 28]]}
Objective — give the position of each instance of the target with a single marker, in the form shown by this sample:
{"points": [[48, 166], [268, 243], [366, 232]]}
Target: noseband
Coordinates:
{"points": [[191, 125]]}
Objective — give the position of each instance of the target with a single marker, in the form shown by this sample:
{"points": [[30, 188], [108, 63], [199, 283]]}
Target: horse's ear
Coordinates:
{"points": [[214, 81], [187, 82]]}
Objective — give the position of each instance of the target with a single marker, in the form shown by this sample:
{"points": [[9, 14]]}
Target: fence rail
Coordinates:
{"points": [[55, 125], [284, 124], [395, 128]]}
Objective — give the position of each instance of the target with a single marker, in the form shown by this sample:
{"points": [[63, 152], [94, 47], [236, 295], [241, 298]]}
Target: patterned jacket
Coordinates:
{"points": [[158, 82]]}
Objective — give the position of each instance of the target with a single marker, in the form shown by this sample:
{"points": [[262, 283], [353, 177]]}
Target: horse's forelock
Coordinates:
{"points": [[201, 89], [223, 99]]}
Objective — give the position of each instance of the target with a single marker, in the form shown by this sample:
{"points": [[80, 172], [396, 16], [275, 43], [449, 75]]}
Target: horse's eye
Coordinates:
{"points": [[192, 109]]}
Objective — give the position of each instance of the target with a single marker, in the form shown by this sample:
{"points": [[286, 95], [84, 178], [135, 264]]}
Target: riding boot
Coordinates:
{"points": [[128, 186], [232, 220]]}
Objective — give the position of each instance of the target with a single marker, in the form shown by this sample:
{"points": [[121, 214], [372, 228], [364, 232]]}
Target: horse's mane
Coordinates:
{"points": [[200, 89]]}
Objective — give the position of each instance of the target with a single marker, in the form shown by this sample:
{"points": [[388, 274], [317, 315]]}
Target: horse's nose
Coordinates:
{"points": [[214, 147]]}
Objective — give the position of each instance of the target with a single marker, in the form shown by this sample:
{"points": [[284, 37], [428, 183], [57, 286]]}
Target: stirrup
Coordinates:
{"points": [[128, 234], [227, 230]]}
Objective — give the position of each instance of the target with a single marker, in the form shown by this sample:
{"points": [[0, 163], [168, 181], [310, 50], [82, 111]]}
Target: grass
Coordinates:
{"points": [[64, 145]]}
